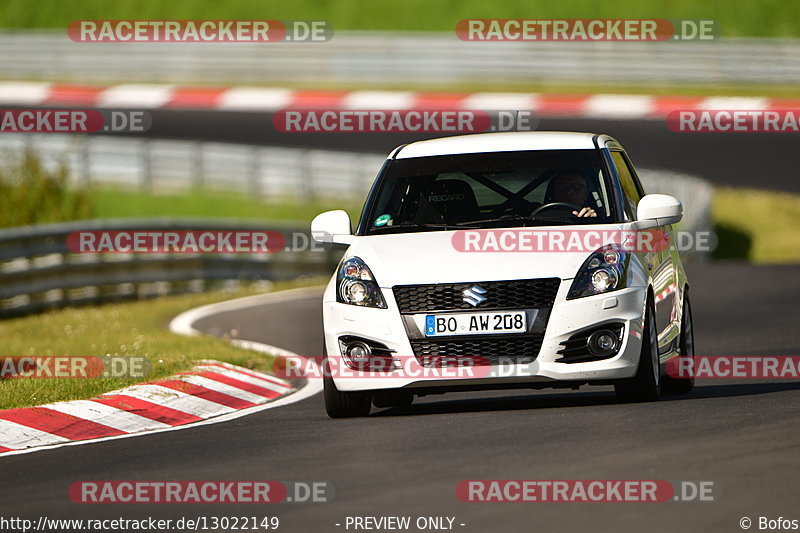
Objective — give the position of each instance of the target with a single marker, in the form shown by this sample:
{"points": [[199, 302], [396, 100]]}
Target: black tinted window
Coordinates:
{"points": [[490, 190], [630, 191]]}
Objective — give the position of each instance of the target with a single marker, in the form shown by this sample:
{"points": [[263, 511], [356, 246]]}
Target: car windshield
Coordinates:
{"points": [[489, 190]]}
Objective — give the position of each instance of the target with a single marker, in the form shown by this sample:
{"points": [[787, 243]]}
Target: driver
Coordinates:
{"points": [[569, 186]]}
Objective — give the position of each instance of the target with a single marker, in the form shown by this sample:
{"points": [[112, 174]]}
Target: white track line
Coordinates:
{"points": [[183, 324]]}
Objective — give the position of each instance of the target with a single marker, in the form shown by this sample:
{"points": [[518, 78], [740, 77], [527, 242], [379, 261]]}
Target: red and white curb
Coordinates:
{"points": [[144, 96], [211, 392]]}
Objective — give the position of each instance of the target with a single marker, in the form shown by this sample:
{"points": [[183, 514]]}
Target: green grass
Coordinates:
{"points": [[760, 226], [763, 18], [125, 329], [120, 203]]}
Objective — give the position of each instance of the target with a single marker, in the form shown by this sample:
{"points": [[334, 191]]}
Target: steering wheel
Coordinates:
{"points": [[553, 205]]}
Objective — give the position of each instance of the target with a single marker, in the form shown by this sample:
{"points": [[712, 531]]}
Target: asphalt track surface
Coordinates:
{"points": [[758, 160], [743, 435]]}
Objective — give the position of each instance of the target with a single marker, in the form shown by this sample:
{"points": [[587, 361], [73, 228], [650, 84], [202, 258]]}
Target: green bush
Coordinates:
{"points": [[30, 194]]}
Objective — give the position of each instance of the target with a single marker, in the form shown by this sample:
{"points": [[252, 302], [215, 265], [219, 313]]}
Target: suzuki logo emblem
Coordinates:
{"points": [[474, 296]]}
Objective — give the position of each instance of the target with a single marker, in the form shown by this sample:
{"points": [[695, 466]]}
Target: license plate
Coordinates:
{"points": [[475, 323]]}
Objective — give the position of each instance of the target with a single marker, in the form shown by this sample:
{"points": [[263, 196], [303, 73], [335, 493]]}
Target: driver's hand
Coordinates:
{"points": [[585, 212]]}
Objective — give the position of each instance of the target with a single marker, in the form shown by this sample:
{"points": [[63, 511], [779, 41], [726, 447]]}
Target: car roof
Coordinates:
{"points": [[498, 142]]}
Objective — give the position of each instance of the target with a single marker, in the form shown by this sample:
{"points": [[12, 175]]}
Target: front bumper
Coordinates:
{"points": [[567, 317]]}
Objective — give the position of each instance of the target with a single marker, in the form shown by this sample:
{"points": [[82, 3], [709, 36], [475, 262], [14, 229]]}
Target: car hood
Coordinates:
{"points": [[433, 257]]}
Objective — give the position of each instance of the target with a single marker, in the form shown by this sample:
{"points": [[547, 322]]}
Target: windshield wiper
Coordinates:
{"points": [[501, 218], [520, 218], [421, 225]]}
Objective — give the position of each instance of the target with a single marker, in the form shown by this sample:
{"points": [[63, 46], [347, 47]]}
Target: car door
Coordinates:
{"points": [[658, 260]]}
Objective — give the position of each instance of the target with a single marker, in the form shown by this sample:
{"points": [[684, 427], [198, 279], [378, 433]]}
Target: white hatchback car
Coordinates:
{"points": [[445, 273]]}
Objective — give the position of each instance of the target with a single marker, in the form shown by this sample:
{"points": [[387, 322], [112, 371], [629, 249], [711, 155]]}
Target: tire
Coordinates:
{"points": [[392, 399], [673, 385], [645, 386], [339, 404]]}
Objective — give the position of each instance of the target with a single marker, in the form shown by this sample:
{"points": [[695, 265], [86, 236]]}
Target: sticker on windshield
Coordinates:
{"points": [[383, 220]]}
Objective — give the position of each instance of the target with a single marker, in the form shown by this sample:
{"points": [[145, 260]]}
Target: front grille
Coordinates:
{"points": [[512, 294], [477, 352]]}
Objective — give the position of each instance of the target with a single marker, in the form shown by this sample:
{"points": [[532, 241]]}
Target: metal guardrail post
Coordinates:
{"points": [[85, 161], [198, 177], [146, 166], [255, 172], [307, 178]]}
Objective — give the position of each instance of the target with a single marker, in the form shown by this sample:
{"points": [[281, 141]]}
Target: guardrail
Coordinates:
{"points": [[378, 59], [38, 271], [270, 173]]}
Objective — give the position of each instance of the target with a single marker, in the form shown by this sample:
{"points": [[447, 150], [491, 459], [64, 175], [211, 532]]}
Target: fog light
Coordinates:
{"points": [[358, 352], [602, 343]]}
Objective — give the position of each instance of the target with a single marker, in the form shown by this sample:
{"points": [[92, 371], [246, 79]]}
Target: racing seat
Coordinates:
{"points": [[448, 201]]}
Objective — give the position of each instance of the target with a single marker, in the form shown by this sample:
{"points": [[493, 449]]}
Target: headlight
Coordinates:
{"points": [[356, 286], [605, 270]]}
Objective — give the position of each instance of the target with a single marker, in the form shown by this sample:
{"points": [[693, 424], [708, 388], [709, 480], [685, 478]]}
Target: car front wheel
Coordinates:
{"points": [[674, 385], [342, 404], [645, 386]]}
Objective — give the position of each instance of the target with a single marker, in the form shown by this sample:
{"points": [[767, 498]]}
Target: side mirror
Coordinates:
{"points": [[660, 208], [332, 227]]}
